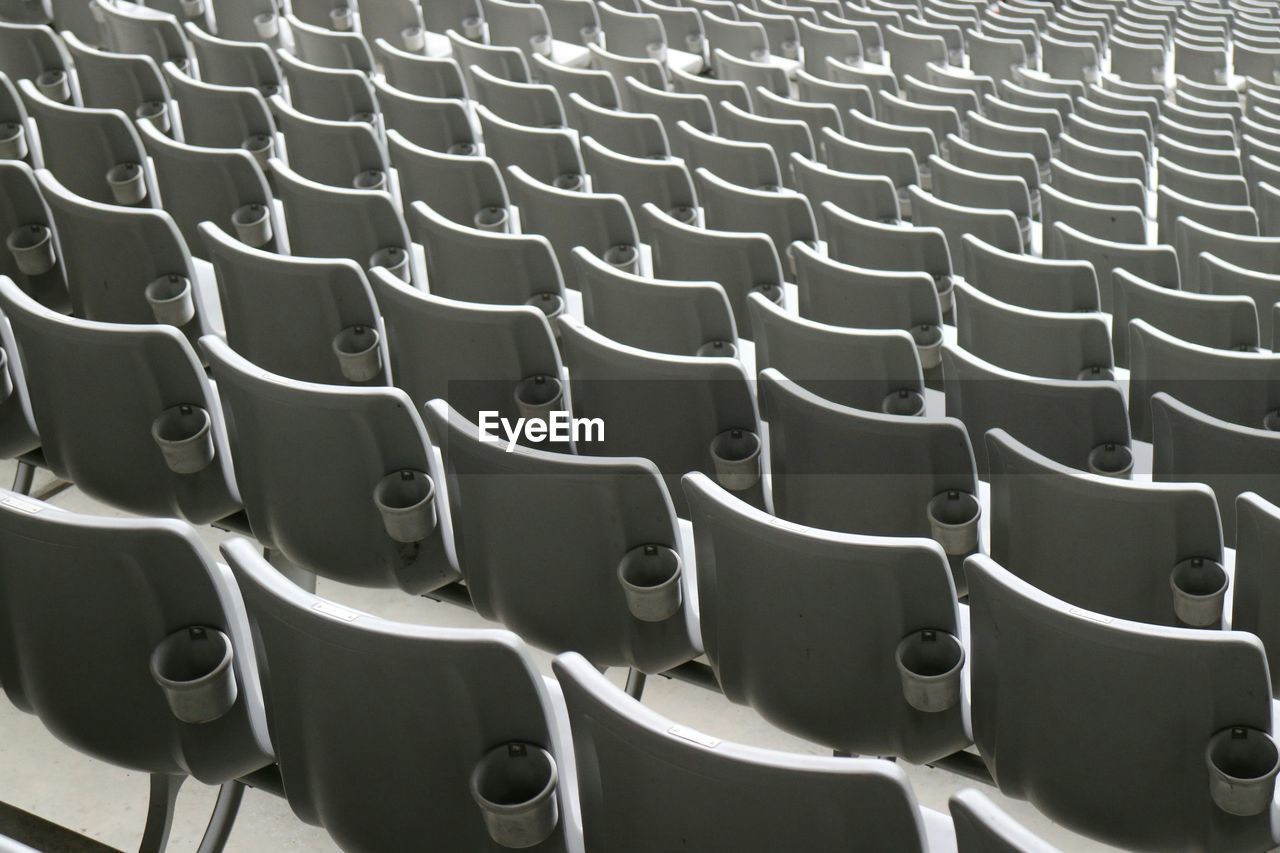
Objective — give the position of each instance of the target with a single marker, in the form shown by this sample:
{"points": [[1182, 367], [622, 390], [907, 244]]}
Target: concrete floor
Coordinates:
{"points": [[44, 777]]}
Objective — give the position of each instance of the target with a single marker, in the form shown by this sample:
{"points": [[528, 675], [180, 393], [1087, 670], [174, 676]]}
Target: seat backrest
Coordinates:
{"points": [[23, 207], [436, 701], [547, 154], [1162, 693], [216, 115], [467, 189], [1191, 239], [1042, 284], [1222, 322], [1255, 590], [130, 28], [337, 94], [429, 76], [234, 63], [1155, 264], [116, 81], [335, 153], [441, 124], [784, 215], [581, 517], [1223, 278], [128, 585], [747, 164], [983, 827], [28, 50], [309, 460]]}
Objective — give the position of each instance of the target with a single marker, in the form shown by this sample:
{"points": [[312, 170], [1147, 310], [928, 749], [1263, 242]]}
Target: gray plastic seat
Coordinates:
{"points": [[144, 246], [846, 696], [394, 21], [580, 516], [960, 99], [336, 153], [1254, 590], [33, 51], [872, 369], [526, 26], [1191, 239], [965, 187], [1219, 277], [508, 63], [1048, 344], [784, 215], [334, 222], [547, 155], [658, 315], [1110, 546], [664, 183], [467, 189], [1040, 284], [821, 40], [445, 15], [1020, 115], [597, 87], [650, 72], [1220, 322], [746, 164], [983, 827], [785, 136], [218, 116], [337, 94], [999, 228], [817, 116], [1229, 218], [739, 262], [876, 77], [754, 75], [1267, 202], [1118, 223], [428, 76], [718, 92], [985, 133], [220, 185], [284, 313], [903, 248], [17, 429], [1216, 161], [132, 584], [1203, 186], [742, 39], [440, 124], [897, 164], [1163, 692], [103, 442], [1200, 64], [920, 140], [226, 62], [491, 267], [666, 408], [1239, 387], [130, 28], [83, 145], [910, 53], [114, 81], [471, 692], [530, 104], [23, 206], [993, 55], [1155, 264], [989, 161], [812, 88], [632, 134], [332, 48], [1080, 424], [316, 508], [868, 196], [1137, 62], [1100, 189], [671, 108]]}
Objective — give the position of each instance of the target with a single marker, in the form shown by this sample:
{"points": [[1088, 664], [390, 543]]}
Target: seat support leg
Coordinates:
{"points": [[164, 794], [635, 684], [24, 478], [223, 818]]}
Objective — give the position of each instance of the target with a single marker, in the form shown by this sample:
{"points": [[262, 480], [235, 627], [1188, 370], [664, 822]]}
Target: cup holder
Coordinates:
{"points": [[1096, 372], [1111, 460], [657, 51], [370, 179], [571, 181], [736, 453], [192, 8], [473, 27], [156, 112], [928, 338], [650, 579], [6, 381], [359, 356], [718, 349], [538, 396], [769, 290], [683, 213], [929, 664], [128, 187], [591, 34], [623, 256], [53, 84], [262, 147], [340, 18], [414, 39], [1242, 763], [946, 290], [760, 54], [267, 25], [492, 219], [953, 521], [541, 43], [13, 141], [1199, 588], [515, 787], [1271, 421], [694, 43], [32, 249], [406, 501], [395, 259], [253, 225], [193, 668], [171, 300], [904, 401], [550, 304], [184, 435]]}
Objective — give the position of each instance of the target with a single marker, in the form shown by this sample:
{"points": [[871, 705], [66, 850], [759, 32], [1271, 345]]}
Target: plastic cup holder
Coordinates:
{"points": [[904, 204], [127, 183], [770, 291], [156, 112], [550, 304], [406, 501], [192, 8], [736, 454], [759, 55], [1111, 460], [930, 664], [267, 25], [395, 259], [946, 290], [591, 34], [473, 27], [262, 147], [956, 58], [873, 54], [718, 349], [541, 43], [538, 396], [1096, 372], [53, 84], [515, 787], [13, 141], [1271, 421], [1199, 588], [953, 521], [340, 18], [492, 219], [359, 356], [184, 435], [193, 668], [905, 401], [253, 224], [6, 381], [684, 213], [370, 179], [571, 181], [650, 579], [1242, 763], [171, 300], [463, 149], [624, 256], [414, 39], [694, 43], [1219, 76], [32, 248], [928, 338], [656, 50], [791, 49]]}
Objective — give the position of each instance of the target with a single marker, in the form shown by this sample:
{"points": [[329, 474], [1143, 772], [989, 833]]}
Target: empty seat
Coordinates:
{"points": [[632, 134], [428, 76], [33, 51], [876, 245], [897, 164], [1221, 322], [980, 825], [1100, 189], [784, 215], [25, 219], [641, 180], [1230, 218], [1041, 284], [1191, 239], [465, 188], [1203, 186], [1226, 279], [671, 108], [1117, 223], [218, 116], [961, 186], [441, 124], [226, 62], [1155, 264], [508, 63], [868, 196], [998, 228], [1254, 589], [336, 153], [337, 94], [130, 28], [595, 86], [747, 164], [333, 48], [548, 155], [785, 136], [113, 81]]}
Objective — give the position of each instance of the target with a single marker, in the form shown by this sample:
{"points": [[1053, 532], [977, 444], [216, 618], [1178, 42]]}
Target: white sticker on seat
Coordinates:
{"points": [[335, 612], [22, 506], [694, 736]]}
